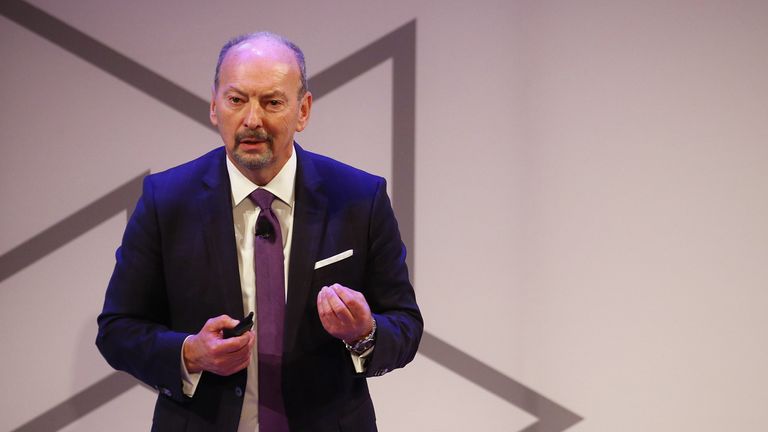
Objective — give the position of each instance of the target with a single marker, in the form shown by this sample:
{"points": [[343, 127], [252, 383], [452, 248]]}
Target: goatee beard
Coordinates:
{"points": [[254, 161]]}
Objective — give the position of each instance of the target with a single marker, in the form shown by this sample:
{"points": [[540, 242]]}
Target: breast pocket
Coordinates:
{"points": [[344, 268]]}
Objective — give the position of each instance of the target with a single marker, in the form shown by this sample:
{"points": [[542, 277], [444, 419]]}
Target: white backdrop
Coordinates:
{"points": [[591, 191]]}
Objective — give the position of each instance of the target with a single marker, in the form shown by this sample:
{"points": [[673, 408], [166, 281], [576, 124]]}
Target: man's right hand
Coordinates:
{"points": [[208, 351]]}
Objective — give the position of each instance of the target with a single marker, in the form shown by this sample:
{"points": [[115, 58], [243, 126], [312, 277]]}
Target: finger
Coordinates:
{"points": [[354, 301], [230, 366], [252, 340], [333, 298], [239, 366], [245, 339], [346, 294], [329, 305], [321, 296], [233, 344], [242, 353], [323, 308], [231, 361], [328, 318], [339, 308]]}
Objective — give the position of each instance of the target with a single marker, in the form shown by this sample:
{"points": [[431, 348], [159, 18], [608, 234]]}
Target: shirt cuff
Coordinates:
{"points": [[361, 361], [189, 380]]}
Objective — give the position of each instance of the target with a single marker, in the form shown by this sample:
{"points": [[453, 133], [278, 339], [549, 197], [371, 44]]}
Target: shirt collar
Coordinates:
{"points": [[282, 186]]}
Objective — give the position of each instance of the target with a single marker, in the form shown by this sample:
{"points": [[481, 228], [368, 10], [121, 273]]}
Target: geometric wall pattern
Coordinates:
{"points": [[400, 46], [582, 187]]}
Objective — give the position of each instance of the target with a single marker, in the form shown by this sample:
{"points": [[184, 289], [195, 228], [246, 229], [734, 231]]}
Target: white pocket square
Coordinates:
{"points": [[333, 259]]}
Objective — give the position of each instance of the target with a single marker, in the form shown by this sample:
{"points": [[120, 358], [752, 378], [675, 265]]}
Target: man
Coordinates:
{"points": [[320, 261]]}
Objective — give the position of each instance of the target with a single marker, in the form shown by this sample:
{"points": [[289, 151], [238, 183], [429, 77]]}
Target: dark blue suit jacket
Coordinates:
{"points": [[177, 267]]}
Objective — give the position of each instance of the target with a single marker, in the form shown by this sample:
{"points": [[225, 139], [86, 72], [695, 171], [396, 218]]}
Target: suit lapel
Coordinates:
{"points": [[309, 221], [215, 209]]}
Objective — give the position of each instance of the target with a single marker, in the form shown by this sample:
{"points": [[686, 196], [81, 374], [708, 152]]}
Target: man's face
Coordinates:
{"points": [[257, 107]]}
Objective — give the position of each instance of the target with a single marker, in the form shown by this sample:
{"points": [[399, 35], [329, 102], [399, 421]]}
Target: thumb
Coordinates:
{"points": [[219, 323]]}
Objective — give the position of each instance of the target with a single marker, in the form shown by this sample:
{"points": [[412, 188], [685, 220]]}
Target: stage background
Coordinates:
{"points": [[588, 228]]}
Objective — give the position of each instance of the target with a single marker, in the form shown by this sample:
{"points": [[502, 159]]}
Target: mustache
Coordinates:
{"points": [[258, 135]]}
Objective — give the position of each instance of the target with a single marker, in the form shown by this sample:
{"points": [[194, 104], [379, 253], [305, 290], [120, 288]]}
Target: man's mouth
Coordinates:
{"points": [[252, 138]]}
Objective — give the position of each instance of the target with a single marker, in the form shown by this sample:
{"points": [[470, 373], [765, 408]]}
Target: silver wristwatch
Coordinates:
{"points": [[363, 344]]}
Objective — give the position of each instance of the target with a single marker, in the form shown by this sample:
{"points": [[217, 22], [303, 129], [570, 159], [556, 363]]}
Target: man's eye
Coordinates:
{"points": [[275, 102], [235, 99]]}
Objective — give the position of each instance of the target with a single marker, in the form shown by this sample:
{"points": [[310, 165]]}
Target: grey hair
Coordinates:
{"points": [[237, 40]]}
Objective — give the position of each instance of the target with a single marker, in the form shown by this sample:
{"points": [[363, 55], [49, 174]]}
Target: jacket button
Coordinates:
{"points": [[238, 391], [166, 392]]}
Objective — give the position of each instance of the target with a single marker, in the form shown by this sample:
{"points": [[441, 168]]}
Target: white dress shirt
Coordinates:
{"points": [[245, 213]]}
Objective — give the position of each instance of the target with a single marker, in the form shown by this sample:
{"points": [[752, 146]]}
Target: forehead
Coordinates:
{"points": [[260, 61]]}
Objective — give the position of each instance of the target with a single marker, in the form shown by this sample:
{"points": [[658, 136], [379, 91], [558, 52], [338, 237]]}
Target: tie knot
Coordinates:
{"points": [[262, 198]]}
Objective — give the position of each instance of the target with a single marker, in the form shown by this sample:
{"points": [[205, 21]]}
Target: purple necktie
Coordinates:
{"points": [[270, 313]]}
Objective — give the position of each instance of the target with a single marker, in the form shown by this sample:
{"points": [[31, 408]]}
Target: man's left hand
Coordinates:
{"points": [[344, 313]]}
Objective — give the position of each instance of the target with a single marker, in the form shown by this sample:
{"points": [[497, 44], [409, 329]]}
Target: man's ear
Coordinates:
{"points": [[304, 110], [212, 112]]}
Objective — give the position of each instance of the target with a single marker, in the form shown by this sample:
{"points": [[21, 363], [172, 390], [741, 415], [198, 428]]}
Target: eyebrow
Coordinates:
{"points": [[271, 93], [231, 88], [274, 93]]}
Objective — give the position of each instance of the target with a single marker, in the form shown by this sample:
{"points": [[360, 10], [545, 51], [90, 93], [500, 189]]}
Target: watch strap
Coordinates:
{"points": [[363, 344]]}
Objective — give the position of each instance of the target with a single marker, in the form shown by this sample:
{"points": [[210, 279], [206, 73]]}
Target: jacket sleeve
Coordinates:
{"points": [[389, 292], [133, 329]]}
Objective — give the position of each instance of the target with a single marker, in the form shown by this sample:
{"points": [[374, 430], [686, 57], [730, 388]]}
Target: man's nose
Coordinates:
{"points": [[253, 117]]}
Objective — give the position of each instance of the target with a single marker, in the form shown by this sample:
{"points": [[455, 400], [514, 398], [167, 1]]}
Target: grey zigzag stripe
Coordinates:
{"points": [[399, 45]]}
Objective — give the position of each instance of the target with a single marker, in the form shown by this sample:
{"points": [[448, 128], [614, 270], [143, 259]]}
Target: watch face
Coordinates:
{"points": [[360, 350], [362, 346], [365, 344]]}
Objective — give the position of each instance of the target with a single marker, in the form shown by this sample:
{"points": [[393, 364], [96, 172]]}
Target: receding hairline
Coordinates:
{"points": [[298, 55]]}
